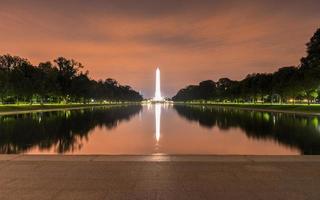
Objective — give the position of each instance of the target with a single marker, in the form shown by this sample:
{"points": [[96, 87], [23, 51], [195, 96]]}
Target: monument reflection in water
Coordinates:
{"points": [[158, 120]]}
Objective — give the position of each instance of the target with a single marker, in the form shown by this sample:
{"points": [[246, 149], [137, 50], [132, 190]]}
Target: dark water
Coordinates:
{"points": [[160, 129]]}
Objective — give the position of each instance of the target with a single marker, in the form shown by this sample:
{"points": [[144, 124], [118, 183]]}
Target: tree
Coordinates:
{"points": [[310, 66], [46, 81], [80, 87], [13, 75], [207, 89], [191, 92], [20, 80], [67, 70], [224, 86], [8, 62]]}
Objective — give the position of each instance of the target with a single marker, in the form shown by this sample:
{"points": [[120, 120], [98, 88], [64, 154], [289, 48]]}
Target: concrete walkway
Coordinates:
{"points": [[159, 177]]}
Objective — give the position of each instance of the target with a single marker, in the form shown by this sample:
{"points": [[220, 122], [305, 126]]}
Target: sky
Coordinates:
{"points": [[190, 40]]}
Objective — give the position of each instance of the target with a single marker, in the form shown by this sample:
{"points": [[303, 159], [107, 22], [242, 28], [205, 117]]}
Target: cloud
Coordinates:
{"points": [[191, 40]]}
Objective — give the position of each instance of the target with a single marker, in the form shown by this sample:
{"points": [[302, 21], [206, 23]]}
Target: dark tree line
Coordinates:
{"points": [[60, 81], [287, 84]]}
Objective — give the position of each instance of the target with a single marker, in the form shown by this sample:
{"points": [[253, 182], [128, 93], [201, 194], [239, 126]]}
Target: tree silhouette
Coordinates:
{"points": [[288, 83], [62, 81]]}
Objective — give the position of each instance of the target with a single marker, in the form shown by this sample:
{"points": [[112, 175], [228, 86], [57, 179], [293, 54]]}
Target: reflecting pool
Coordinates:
{"points": [[160, 129]]}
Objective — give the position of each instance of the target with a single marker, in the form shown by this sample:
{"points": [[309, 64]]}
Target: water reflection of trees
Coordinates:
{"points": [[296, 131], [64, 130]]}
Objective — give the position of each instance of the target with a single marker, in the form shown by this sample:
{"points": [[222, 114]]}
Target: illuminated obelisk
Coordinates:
{"points": [[157, 96], [158, 99]]}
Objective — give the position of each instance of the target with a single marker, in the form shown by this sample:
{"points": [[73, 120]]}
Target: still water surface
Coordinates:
{"points": [[160, 129]]}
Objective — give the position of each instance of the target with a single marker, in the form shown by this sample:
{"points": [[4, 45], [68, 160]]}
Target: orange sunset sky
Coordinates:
{"points": [[190, 40]]}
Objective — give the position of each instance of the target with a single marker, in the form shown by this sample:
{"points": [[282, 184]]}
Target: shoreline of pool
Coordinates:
{"points": [[162, 158], [52, 108], [249, 108], [34, 109]]}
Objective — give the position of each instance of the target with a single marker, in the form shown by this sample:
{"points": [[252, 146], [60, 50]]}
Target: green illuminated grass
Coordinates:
{"points": [[33, 107], [312, 108]]}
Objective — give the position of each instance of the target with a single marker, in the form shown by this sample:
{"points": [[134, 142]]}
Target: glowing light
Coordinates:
{"points": [[157, 96], [158, 116]]}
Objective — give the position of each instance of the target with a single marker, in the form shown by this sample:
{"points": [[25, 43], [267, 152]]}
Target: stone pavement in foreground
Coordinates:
{"points": [[159, 177]]}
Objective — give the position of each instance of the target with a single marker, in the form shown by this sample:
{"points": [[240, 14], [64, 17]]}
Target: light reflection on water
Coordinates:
{"points": [[160, 129], [158, 120]]}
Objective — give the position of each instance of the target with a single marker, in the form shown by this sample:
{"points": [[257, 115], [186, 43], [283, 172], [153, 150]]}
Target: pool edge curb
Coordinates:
{"points": [[162, 158]]}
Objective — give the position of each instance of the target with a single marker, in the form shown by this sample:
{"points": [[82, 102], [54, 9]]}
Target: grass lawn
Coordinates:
{"points": [[28, 107], [312, 108]]}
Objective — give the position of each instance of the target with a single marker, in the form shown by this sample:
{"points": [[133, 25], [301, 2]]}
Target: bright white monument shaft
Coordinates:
{"points": [[157, 96]]}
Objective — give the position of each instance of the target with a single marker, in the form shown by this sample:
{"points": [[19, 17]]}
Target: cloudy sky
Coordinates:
{"points": [[190, 40]]}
